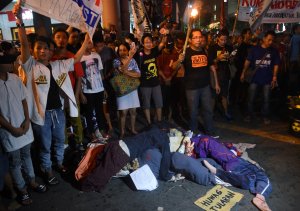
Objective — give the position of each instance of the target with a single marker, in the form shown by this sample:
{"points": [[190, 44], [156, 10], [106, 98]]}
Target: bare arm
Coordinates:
{"points": [[26, 122], [81, 51], [214, 71], [176, 65], [163, 42], [78, 88], [246, 66], [15, 131], [274, 79], [25, 48], [132, 73]]}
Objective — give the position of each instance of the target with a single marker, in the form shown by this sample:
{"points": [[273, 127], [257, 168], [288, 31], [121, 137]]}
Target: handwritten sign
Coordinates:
{"points": [[81, 14], [219, 198]]}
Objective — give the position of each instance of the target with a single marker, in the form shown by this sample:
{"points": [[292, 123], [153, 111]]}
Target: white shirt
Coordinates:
{"points": [[38, 84], [12, 93], [92, 67]]}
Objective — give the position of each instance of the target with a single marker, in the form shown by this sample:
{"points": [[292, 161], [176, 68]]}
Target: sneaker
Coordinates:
{"points": [[267, 121]]}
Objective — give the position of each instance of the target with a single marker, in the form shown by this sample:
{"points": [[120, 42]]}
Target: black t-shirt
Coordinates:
{"points": [[148, 68], [223, 65], [53, 99], [196, 69]]}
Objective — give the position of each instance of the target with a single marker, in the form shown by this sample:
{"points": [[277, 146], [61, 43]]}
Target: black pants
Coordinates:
{"points": [[94, 103]]}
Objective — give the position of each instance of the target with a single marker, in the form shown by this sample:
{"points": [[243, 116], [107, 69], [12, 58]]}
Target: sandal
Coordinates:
{"points": [[24, 199], [39, 188]]}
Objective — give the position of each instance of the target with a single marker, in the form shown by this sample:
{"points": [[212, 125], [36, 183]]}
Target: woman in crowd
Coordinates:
{"points": [[126, 65]]}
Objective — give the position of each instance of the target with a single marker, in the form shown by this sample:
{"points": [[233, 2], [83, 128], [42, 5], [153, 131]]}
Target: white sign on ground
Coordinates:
{"points": [[144, 179]]}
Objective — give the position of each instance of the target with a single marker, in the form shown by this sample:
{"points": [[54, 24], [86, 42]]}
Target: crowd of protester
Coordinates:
{"points": [[58, 90]]}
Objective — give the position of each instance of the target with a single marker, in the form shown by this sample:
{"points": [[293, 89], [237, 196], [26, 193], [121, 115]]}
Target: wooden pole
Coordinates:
{"points": [[236, 17]]}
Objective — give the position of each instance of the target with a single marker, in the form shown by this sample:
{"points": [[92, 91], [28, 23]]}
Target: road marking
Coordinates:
{"points": [[271, 133]]}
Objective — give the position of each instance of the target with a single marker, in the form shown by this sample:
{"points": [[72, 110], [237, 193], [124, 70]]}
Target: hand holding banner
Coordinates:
{"points": [[81, 14]]}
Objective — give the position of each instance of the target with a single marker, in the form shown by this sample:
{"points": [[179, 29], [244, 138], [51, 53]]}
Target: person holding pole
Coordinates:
{"points": [[197, 81]]}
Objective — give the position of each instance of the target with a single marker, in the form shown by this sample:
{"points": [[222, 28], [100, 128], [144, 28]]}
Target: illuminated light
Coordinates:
{"points": [[283, 29], [27, 15], [190, 6], [194, 13]]}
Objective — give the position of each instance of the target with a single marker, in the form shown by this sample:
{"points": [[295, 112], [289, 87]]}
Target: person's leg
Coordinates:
{"points": [[192, 169], [15, 166], [193, 103], [99, 112], [266, 105], [151, 157], [260, 202], [123, 114], [43, 134], [158, 101], [251, 95], [89, 109], [237, 180], [132, 112], [146, 99], [27, 163], [58, 136], [77, 127], [207, 110]]}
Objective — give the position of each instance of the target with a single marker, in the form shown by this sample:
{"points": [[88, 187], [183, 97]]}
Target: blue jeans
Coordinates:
{"points": [[193, 169], [21, 160], [52, 132], [266, 101], [194, 97], [247, 176]]}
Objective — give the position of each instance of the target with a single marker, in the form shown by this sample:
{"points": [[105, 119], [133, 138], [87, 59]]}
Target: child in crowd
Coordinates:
{"points": [[93, 91], [48, 84], [15, 131]]}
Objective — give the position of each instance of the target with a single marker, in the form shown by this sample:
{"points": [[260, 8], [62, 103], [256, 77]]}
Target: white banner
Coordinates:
{"points": [[257, 17], [81, 14], [280, 11], [141, 20]]}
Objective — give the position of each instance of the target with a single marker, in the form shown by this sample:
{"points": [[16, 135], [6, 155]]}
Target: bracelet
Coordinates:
{"points": [[19, 25]]}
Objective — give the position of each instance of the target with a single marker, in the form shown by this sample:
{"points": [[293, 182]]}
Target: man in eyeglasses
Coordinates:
{"points": [[197, 82]]}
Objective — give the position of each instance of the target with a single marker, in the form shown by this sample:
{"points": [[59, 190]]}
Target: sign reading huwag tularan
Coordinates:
{"points": [[280, 11], [81, 14]]}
